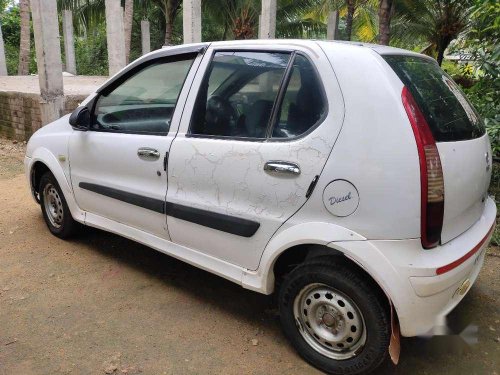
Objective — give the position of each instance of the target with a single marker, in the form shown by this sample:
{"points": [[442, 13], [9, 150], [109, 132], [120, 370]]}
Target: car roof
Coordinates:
{"points": [[326, 44]]}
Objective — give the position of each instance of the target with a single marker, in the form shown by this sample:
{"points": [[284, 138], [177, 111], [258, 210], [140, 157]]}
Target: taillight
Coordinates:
{"points": [[431, 174]]}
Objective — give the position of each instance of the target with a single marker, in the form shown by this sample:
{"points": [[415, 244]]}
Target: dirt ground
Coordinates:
{"points": [[103, 304]]}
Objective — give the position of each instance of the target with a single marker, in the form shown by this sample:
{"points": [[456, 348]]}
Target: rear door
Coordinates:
{"points": [[256, 132], [460, 136]]}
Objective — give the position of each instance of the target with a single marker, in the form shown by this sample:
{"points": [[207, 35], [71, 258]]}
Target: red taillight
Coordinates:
{"points": [[431, 174]]}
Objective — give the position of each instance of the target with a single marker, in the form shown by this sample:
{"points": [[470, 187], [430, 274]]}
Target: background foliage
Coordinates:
{"points": [[465, 28], [470, 27]]}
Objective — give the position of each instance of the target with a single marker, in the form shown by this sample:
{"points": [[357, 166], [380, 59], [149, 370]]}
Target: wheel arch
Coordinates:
{"points": [[301, 242], [38, 169], [44, 161], [293, 238], [296, 255]]}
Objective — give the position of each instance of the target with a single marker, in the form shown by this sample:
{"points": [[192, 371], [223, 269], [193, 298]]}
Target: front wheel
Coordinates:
{"points": [[55, 209], [334, 317]]}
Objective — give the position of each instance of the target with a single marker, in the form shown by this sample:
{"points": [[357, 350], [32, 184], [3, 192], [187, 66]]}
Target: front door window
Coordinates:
{"points": [[145, 102]]}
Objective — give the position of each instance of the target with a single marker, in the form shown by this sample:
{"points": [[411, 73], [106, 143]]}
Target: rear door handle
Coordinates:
{"points": [[282, 167], [148, 153]]}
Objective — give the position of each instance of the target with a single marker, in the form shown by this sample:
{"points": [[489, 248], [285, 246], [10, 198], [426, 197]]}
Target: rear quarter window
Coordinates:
{"points": [[449, 114]]}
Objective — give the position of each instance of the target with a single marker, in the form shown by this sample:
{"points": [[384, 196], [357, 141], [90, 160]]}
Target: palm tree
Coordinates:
{"points": [[384, 16], [298, 19], [170, 9], [437, 21], [238, 19], [88, 14], [359, 17], [244, 21], [128, 16], [351, 8], [24, 44]]}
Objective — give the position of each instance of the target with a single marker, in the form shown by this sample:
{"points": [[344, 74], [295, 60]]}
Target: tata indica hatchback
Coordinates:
{"points": [[351, 180]]}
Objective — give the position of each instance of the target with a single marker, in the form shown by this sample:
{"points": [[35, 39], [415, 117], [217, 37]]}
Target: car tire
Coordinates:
{"points": [[334, 316], [55, 209]]}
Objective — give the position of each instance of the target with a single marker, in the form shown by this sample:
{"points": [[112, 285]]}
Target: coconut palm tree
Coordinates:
{"points": [[437, 21], [24, 44], [295, 19], [358, 17], [238, 19], [128, 16], [385, 11], [170, 10]]}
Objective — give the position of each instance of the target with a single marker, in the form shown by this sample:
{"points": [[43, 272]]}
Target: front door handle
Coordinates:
{"points": [[148, 153], [282, 167]]}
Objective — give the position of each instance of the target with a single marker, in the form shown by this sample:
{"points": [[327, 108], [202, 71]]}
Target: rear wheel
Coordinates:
{"points": [[334, 318], [55, 209]]}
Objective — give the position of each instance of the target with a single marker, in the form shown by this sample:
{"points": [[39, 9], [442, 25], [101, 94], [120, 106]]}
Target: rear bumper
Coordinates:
{"points": [[421, 294], [441, 277]]}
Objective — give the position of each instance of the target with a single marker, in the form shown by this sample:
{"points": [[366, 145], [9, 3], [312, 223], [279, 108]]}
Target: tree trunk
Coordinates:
{"points": [[224, 34], [350, 15], [168, 30], [127, 26], [24, 45], [384, 21], [440, 55], [170, 10]]}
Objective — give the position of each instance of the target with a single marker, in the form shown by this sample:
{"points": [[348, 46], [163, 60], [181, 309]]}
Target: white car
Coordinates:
{"points": [[350, 179]]}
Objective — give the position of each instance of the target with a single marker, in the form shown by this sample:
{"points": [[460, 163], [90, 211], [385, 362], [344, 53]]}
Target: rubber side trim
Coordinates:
{"points": [[152, 204], [225, 223]]}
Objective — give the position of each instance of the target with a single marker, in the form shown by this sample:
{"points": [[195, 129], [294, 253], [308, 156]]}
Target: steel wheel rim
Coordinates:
{"points": [[329, 321], [53, 205]]}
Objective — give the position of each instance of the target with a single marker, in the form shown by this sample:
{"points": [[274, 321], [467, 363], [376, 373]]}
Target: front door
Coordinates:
{"points": [[117, 167], [252, 141]]}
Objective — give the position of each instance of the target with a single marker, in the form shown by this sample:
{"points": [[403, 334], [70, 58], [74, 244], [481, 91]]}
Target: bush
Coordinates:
{"points": [[91, 53]]}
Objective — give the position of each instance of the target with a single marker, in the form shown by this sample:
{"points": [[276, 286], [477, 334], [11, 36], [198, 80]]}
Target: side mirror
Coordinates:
{"points": [[80, 119]]}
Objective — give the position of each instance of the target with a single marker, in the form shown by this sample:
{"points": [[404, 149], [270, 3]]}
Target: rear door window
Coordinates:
{"points": [[303, 103], [237, 95], [449, 114]]}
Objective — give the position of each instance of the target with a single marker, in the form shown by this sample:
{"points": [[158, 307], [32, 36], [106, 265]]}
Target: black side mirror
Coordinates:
{"points": [[80, 119]]}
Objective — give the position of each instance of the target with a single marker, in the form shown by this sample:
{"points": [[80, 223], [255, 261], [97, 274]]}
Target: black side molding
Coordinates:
{"points": [[214, 220], [152, 204], [226, 223]]}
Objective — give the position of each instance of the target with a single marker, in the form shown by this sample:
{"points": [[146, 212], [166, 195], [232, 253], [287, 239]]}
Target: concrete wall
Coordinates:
{"points": [[20, 114]]}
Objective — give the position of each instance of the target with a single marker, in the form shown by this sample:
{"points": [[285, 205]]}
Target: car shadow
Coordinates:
{"points": [[210, 289]]}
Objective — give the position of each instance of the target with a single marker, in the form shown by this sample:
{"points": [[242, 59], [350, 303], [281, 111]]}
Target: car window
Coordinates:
{"points": [[449, 114], [237, 96], [145, 102], [303, 104]]}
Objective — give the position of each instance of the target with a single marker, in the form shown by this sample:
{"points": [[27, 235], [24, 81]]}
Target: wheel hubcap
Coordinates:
{"points": [[329, 321], [53, 205]]}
